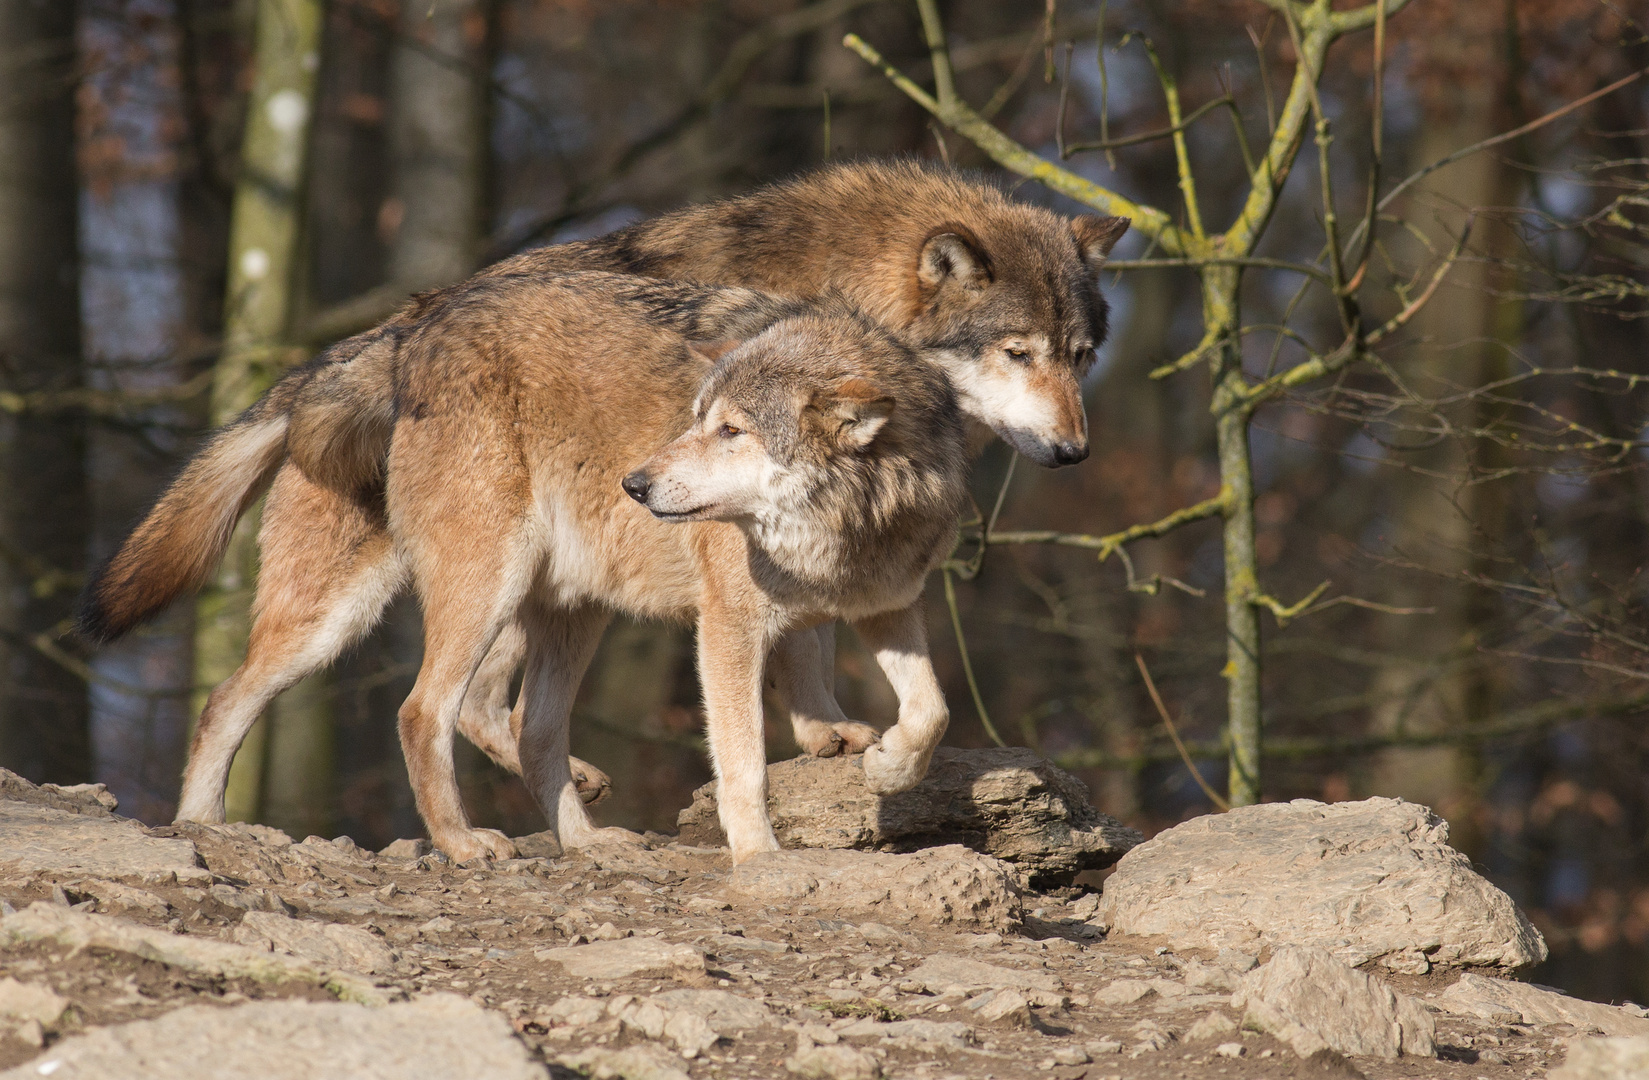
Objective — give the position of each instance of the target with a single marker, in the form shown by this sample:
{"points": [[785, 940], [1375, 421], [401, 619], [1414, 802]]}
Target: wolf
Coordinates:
{"points": [[1000, 296], [562, 450]]}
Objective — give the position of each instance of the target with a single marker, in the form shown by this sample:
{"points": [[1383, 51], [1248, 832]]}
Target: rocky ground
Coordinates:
{"points": [[194, 951]]}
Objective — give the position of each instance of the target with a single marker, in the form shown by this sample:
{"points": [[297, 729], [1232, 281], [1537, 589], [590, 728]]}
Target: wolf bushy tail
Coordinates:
{"points": [[181, 540]]}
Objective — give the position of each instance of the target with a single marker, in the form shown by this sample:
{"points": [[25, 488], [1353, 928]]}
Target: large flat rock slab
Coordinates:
{"points": [[94, 800], [946, 885], [329, 945], [440, 1037], [1605, 1059], [1011, 804], [626, 957], [1500, 1000], [43, 839], [1313, 1002], [1371, 880], [84, 930]]}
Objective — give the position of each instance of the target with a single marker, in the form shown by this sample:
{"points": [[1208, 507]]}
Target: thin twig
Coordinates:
{"points": [[1162, 711], [967, 662]]}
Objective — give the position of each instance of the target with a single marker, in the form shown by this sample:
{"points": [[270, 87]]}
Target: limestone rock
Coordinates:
{"points": [[1365, 880], [1009, 803], [1502, 999], [689, 1032], [643, 1061], [1310, 1000], [726, 1013], [916, 1034], [836, 1061], [943, 973], [41, 921], [1001, 1006], [942, 885], [1124, 992], [573, 1010], [40, 838], [406, 848], [92, 800], [439, 1037], [625, 957], [1605, 1059], [113, 898], [538, 845], [30, 1001], [1211, 1026], [330, 945]]}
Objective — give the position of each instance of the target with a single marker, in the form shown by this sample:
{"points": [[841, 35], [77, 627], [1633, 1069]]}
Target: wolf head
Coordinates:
{"points": [[1008, 305], [823, 415]]}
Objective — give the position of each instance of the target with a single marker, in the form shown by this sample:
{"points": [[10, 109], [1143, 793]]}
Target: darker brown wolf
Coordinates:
{"points": [[815, 473], [999, 295]]}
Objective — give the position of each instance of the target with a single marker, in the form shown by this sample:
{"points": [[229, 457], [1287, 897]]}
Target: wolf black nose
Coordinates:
{"points": [[1069, 453], [636, 485]]}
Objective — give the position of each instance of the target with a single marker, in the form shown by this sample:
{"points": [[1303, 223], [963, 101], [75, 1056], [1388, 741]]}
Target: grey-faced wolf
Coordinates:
{"points": [[559, 454], [999, 295]]}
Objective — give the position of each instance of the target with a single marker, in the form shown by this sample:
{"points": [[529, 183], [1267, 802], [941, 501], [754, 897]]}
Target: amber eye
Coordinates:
{"points": [[727, 431], [1018, 354]]}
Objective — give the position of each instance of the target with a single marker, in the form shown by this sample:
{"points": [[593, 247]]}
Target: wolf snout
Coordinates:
{"points": [[1069, 453], [638, 484]]}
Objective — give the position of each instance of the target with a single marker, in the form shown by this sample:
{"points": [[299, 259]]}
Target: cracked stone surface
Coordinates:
{"points": [[1310, 1000], [950, 884], [42, 838], [434, 1038], [1010, 803], [1503, 999], [1605, 1059], [695, 970], [1371, 880]]}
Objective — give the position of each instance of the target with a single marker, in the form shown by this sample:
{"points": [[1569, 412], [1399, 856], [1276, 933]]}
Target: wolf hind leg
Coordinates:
{"points": [[327, 572], [803, 668], [471, 584], [560, 645], [492, 724], [899, 641]]}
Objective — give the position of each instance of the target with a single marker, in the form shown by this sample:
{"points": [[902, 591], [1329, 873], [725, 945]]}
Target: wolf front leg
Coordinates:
{"points": [[732, 648], [899, 641], [803, 668]]}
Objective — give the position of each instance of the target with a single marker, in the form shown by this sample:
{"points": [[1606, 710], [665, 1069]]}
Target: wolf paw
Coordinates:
{"points": [[888, 772], [855, 737], [832, 740], [463, 845], [747, 848], [592, 784]]}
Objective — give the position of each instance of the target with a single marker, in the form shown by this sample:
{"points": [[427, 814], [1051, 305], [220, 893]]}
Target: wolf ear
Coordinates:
{"points": [[855, 411], [708, 352], [953, 254], [1096, 236]]}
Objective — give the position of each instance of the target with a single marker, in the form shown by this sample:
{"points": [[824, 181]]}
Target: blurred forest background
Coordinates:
{"points": [[1474, 490]]}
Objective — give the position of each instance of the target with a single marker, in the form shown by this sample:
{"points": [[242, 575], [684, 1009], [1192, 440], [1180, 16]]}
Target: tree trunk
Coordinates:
{"points": [[1440, 523], [263, 246], [438, 140], [42, 468]]}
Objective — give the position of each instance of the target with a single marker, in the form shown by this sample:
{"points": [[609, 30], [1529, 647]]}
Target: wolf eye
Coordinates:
{"points": [[1015, 353], [1084, 356], [727, 431]]}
